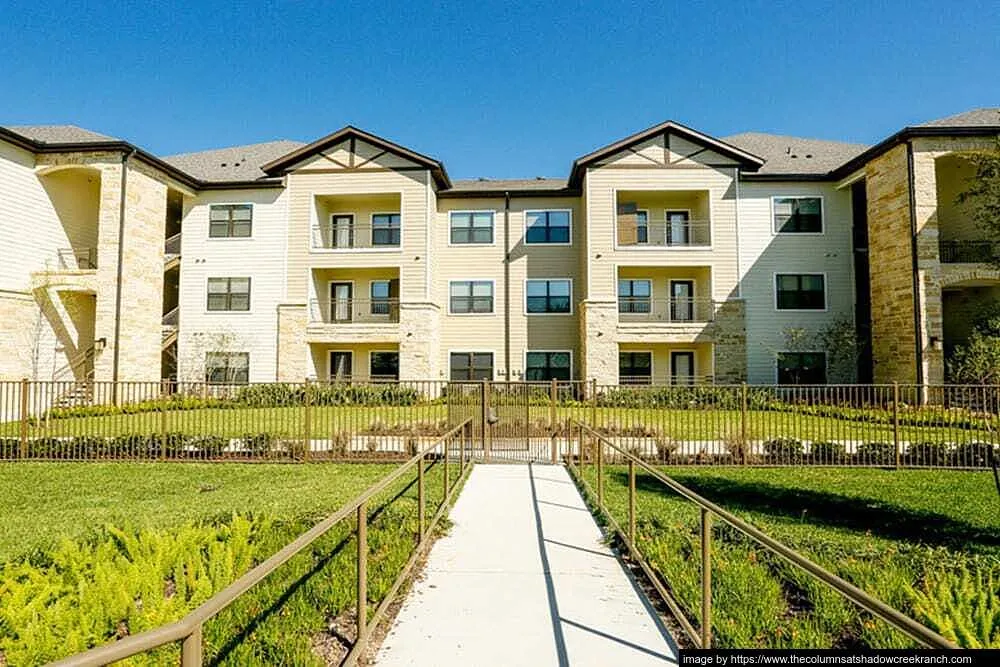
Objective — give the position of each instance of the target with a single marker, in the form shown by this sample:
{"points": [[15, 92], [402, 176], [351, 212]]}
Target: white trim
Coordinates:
{"points": [[822, 215], [208, 231], [826, 291], [826, 363], [493, 288], [492, 352], [524, 305], [568, 211], [371, 352], [524, 362], [652, 363], [493, 228]]}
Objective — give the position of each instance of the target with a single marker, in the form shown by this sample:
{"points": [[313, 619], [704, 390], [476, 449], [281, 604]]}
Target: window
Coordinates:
{"points": [[471, 227], [229, 294], [227, 367], [342, 231], [546, 366], [341, 365], [549, 296], [471, 366], [381, 297], [805, 291], [385, 229], [547, 227], [634, 296], [801, 368], [471, 296], [230, 221], [642, 226], [635, 367], [383, 366], [798, 215]]}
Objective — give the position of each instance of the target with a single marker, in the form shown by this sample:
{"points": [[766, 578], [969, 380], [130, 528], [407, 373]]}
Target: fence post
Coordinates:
{"points": [[600, 471], [191, 649], [484, 417], [631, 501], [743, 423], [466, 430], [24, 418], [163, 425], [420, 498], [446, 483], [593, 403], [553, 397], [895, 420], [362, 609], [307, 425], [706, 579]]}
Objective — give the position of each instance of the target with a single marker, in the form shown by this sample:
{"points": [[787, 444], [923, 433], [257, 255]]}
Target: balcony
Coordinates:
{"points": [[968, 252], [172, 251], [635, 232], [668, 320], [76, 259], [353, 320], [70, 270], [171, 324]]}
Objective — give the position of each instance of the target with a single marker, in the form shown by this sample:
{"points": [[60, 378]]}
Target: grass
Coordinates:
{"points": [[90, 552], [695, 424], [925, 542]]}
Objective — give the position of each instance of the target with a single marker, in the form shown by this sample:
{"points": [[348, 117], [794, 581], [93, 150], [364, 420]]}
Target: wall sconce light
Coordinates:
{"points": [[101, 343], [597, 256], [936, 343]]}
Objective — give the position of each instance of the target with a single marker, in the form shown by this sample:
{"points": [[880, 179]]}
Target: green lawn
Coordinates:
{"points": [[91, 551], [925, 542]]}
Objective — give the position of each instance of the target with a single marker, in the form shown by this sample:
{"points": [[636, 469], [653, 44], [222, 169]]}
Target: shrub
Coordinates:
{"points": [[783, 450], [828, 452], [10, 448], [211, 446], [974, 454], [257, 444], [666, 447], [928, 454], [737, 447], [877, 453]]}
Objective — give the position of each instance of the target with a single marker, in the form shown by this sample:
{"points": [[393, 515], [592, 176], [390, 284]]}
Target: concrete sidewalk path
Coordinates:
{"points": [[523, 578]]}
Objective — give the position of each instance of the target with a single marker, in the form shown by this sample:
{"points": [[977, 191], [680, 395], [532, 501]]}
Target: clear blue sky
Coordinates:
{"points": [[492, 89]]}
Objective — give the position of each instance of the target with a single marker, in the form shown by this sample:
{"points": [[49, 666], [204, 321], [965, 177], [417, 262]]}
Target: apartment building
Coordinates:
{"points": [[669, 256]]}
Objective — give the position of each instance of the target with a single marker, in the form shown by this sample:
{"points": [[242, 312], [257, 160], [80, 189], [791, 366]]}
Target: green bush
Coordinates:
{"points": [[258, 444], [928, 454], [877, 453], [974, 454], [828, 452], [783, 450]]}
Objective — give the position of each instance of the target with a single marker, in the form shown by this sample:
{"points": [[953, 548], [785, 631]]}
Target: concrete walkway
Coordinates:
{"points": [[523, 578]]}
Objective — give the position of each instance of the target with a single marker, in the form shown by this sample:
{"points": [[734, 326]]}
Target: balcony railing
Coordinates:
{"points": [[172, 245], [685, 380], [352, 236], [76, 259], [969, 252], [663, 233], [668, 311], [354, 311]]}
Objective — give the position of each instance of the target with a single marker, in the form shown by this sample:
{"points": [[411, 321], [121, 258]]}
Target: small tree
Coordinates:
{"points": [[981, 198], [843, 347], [978, 360]]}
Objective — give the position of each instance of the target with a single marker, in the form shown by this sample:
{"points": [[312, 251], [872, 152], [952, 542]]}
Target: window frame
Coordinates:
{"points": [[471, 213], [777, 305], [352, 231], [777, 367], [329, 367], [472, 282], [524, 366], [398, 228], [384, 303], [649, 303], [652, 365], [528, 313], [371, 357], [230, 222], [546, 211], [229, 294], [822, 215], [229, 368], [472, 353]]}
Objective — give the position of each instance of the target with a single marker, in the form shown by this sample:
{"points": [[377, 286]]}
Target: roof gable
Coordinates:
{"points": [[351, 148]]}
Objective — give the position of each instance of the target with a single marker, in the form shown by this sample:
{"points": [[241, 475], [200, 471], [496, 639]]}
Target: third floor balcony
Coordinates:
{"points": [[663, 219], [969, 252]]}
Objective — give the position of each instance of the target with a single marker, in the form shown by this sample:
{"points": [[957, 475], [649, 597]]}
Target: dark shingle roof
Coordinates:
{"points": [[502, 184], [59, 134], [987, 117], [236, 163], [795, 155]]}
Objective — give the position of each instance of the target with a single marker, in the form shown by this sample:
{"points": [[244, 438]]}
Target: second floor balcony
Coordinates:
{"points": [[676, 311], [969, 252], [353, 320]]}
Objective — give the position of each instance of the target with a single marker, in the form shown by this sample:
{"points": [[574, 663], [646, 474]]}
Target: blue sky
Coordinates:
{"points": [[492, 89]]}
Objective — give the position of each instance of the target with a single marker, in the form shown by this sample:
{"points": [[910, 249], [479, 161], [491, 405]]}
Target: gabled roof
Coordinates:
{"points": [[986, 117], [281, 165], [749, 161], [235, 163], [522, 187], [60, 134], [789, 157]]}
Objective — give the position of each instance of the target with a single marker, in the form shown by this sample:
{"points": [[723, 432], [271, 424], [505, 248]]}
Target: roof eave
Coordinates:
{"points": [[826, 176], [908, 133], [501, 192]]}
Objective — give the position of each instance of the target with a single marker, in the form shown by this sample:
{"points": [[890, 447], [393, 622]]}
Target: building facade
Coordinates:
{"points": [[669, 256]]}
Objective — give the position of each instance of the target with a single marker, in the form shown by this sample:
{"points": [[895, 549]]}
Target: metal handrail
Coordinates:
{"points": [[702, 639], [968, 252], [326, 236], [172, 245], [664, 233], [76, 259], [356, 311], [669, 311], [188, 629]]}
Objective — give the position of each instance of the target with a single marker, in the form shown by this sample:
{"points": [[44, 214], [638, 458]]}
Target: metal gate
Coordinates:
{"points": [[512, 421]]}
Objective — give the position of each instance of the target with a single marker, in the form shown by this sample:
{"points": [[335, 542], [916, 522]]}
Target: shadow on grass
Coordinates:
{"points": [[823, 508], [276, 605]]}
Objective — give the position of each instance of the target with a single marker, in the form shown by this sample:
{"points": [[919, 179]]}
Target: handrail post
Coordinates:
{"points": [[895, 421], [706, 579], [631, 501], [307, 424], [362, 609], [191, 649], [420, 499], [553, 397], [24, 418]]}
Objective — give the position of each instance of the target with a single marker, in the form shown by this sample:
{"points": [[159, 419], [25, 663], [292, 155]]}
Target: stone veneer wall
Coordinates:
{"points": [[890, 258], [293, 351], [420, 331], [598, 323], [729, 336]]}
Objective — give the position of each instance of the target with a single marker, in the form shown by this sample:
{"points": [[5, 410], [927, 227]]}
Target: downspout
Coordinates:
{"points": [[506, 285], [118, 282], [918, 333]]}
